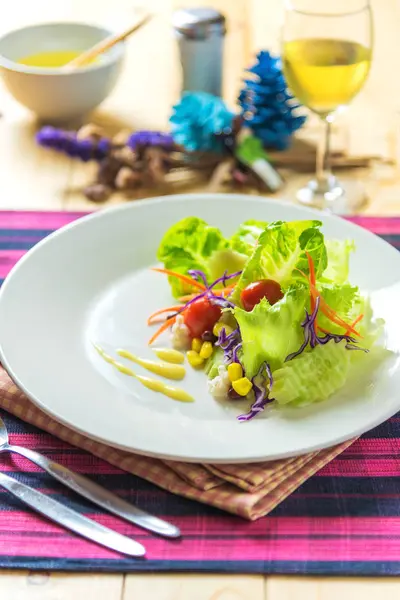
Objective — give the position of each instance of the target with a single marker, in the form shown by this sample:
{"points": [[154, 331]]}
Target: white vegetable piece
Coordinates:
{"points": [[180, 336], [219, 386]]}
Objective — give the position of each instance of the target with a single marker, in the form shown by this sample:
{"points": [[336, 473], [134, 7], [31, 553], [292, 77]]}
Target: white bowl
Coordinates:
{"points": [[52, 94]]}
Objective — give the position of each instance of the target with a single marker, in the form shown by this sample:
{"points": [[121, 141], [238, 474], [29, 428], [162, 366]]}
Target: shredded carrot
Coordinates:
{"points": [[311, 267], [182, 277], [324, 330], [331, 314], [224, 292], [160, 319], [303, 274], [325, 308], [312, 282], [228, 287], [187, 298], [354, 323], [359, 318], [163, 310], [163, 327]]}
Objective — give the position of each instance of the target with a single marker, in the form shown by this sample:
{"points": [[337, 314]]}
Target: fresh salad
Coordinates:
{"points": [[269, 313]]}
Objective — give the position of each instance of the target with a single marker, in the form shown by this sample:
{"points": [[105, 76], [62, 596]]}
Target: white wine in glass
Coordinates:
{"points": [[326, 53]]}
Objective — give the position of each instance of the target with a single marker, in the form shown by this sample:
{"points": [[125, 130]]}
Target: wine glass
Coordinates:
{"points": [[326, 55]]}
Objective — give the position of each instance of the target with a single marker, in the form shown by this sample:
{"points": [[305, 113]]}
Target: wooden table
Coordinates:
{"points": [[32, 178]]}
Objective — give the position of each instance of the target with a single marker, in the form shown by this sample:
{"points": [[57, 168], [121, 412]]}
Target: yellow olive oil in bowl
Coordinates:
{"points": [[51, 59], [31, 65]]}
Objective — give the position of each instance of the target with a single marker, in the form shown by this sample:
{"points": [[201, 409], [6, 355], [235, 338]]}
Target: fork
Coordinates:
{"points": [[90, 490]]}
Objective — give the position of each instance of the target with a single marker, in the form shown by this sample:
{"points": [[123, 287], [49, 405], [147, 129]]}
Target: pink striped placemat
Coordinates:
{"points": [[324, 526]]}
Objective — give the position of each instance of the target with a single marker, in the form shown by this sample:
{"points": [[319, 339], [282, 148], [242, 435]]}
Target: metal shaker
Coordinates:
{"points": [[200, 33]]}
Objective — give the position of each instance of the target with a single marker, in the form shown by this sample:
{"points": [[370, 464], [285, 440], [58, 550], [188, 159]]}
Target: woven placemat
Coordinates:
{"points": [[343, 520]]}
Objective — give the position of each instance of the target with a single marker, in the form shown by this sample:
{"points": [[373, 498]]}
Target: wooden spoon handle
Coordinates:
{"points": [[105, 44]]}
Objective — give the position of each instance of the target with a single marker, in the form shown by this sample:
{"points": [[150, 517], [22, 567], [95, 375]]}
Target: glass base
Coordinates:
{"points": [[341, 198]]}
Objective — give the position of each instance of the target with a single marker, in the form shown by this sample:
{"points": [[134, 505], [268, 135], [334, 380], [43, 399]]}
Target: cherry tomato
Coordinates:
{"points": [[256, 291], [201, 316]]}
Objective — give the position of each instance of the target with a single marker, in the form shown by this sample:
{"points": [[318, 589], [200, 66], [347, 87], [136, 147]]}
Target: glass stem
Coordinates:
{"points": [[323, 166]]}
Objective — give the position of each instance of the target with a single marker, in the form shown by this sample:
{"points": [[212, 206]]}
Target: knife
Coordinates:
{"points": [[97, 494], [70, 518]]}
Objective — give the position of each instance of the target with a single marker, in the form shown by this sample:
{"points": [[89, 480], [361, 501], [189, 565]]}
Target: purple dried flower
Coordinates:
{"points": [[68, 143], [150, 138]]}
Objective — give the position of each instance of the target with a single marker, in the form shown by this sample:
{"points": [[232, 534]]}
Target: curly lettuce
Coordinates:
{"points": [[190, 244], [347, 301], [193, 244], [281, 254], [270, 333], [313, 376], [245, 238], [338, 253]]}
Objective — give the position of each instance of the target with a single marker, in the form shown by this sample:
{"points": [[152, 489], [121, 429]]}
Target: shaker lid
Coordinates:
{"points": [[199, 22]]}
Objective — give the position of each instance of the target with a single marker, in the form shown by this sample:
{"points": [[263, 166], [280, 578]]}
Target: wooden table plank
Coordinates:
{"points": [[22, 585], [322, 588], [194, 587], [31, 177]]}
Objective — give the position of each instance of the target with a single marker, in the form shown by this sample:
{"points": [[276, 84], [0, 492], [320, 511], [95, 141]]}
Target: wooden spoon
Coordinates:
{"points": [[104, 45]]}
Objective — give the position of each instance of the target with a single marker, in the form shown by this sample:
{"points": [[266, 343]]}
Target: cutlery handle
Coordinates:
{"points": [[70, 518], [98, 495]]}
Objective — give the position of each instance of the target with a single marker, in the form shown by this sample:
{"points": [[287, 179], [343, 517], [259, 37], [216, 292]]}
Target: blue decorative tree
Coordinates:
{"points": [[268, 109]]}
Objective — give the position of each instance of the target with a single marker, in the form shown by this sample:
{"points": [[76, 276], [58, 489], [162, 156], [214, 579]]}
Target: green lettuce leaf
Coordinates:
{"points": [[245, 238], [225, 261], [212, 363], [190, 244], [349, 303], [281, 252], [370, 328], [338, 252], [343, 299], [340, 297], [270, 333], [313, 376]]}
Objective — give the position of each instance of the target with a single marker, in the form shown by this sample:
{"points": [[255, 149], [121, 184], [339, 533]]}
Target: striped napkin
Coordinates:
{"points": [[250, 491]]}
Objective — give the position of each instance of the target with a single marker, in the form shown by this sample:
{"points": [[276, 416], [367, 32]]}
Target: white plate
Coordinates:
{"points": [[90, 282]]}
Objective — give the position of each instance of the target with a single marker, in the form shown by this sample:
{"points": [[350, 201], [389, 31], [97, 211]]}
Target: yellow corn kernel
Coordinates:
{"points": [[194, 358], [196, 344], [218, 326], [206, 350], [235, 372], [242, 386]]}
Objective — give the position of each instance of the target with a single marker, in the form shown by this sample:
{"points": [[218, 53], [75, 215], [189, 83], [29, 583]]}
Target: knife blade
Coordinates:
{"points": [[97, 494], [70, 519]]}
